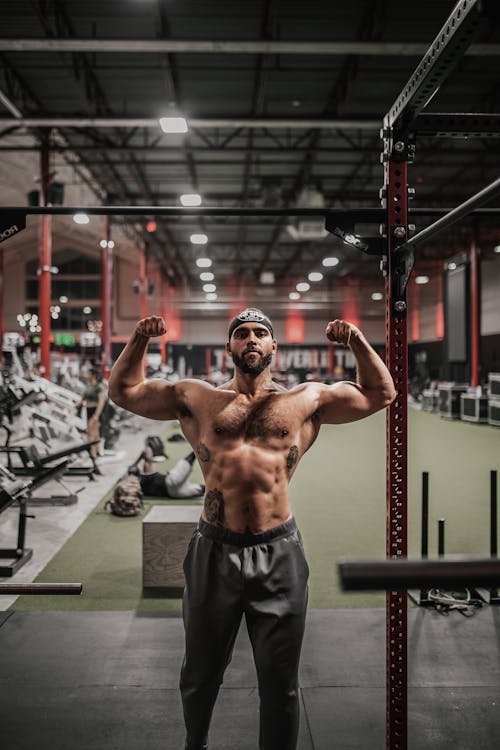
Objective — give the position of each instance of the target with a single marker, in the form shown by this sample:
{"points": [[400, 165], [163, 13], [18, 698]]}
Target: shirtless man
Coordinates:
{"points": [[246, 556]]}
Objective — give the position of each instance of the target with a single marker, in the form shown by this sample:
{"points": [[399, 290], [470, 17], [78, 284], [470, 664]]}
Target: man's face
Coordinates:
{"points": [[251, 347]]}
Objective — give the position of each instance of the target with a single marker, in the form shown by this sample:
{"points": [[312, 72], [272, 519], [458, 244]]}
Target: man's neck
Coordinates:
{"points": [[250, 385]]}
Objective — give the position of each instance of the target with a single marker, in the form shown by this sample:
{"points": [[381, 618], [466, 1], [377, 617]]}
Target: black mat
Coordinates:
{"points": [[110, 680]]}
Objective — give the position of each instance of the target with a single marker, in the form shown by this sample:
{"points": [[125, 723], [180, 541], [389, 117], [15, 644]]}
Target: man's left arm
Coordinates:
{"points": [[373, 390]]}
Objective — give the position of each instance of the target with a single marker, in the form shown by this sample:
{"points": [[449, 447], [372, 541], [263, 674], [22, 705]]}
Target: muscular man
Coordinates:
{"points": [[246, 557]]}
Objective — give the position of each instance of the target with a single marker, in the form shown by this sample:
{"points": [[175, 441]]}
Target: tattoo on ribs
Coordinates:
{"points": [[292, 457], [203, 453], [214, 507]]}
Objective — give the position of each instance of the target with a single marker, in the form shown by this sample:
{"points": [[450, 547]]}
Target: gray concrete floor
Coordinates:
{"points": [[109, 680]]}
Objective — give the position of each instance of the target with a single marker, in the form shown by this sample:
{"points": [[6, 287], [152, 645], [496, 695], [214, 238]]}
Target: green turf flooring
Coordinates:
{"points": [[338, 498]]}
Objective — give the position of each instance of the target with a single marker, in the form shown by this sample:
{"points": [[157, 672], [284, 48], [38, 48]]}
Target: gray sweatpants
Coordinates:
{"points": [[263, 576]]}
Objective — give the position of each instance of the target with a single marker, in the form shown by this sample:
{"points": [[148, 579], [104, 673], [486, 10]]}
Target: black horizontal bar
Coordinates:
{"points": [[41, 588], [373, 214], [356, 215], [399, 575]]}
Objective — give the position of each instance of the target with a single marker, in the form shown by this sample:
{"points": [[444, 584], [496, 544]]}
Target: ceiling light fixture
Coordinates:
{"points": [[315, 276], [81, 218], [203, 262], [199, 239], [174, 124], [191, 199], [267, 277], [330, 262]]}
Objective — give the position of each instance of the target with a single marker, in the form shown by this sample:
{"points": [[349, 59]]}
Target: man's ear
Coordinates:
{"points": [[275, 346], [228, 349]]}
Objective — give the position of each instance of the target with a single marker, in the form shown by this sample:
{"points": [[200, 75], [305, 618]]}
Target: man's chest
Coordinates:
{"points": [[262, 420], [236, 417]]}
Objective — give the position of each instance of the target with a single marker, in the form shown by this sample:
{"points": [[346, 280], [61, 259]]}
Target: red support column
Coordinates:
{"points": [[475, 302], [106, 276], [397, 450], [350, 307], [143, 289], [439, 307], [1, 301], [163, 340], [45, 260], [331, 357], [415, 312], [208, 364], [143, 281]]}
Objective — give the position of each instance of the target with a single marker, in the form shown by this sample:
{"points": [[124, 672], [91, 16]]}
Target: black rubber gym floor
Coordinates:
{"points": [[109, 681]]}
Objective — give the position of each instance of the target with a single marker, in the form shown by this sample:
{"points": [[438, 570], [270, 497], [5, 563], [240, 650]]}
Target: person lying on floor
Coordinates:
{"points": [[172, 484]]}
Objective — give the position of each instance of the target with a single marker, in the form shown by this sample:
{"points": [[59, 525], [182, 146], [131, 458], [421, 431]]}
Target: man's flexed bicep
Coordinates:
{"points": [[155, 399], [347, 402], [374, 390]]}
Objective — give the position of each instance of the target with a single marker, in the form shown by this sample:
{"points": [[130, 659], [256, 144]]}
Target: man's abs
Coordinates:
{"points": [[246, 488], [246, 513]]}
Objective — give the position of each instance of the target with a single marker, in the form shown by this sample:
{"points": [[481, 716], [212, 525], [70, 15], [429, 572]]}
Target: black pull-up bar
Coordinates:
{"points": [[354, 215], [399, 575], [63, 589], [464, 209]]}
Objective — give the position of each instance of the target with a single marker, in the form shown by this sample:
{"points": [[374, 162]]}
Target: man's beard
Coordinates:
{"points": [[249, 369]]}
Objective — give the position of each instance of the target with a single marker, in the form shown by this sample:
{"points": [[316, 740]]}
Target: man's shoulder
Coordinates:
{"points": [[311, 387], [224, 386], [193, 383], [279, 387], [193, 386]]}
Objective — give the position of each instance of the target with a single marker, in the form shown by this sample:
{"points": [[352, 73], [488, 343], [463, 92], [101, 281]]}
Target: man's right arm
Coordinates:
{"points": [[155, 399]]}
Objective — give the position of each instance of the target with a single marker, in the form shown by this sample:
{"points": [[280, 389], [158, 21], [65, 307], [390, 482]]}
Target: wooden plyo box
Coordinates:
{"points": [[166, 532]]}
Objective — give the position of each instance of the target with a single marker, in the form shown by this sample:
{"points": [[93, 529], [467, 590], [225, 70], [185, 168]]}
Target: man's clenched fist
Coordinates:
{"points": [[340, 331], [152, 326]]}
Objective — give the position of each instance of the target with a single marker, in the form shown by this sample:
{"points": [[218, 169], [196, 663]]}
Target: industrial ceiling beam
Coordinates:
{"points": [[55, 121], [471, 152], [8, 104], [257, 47]]}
